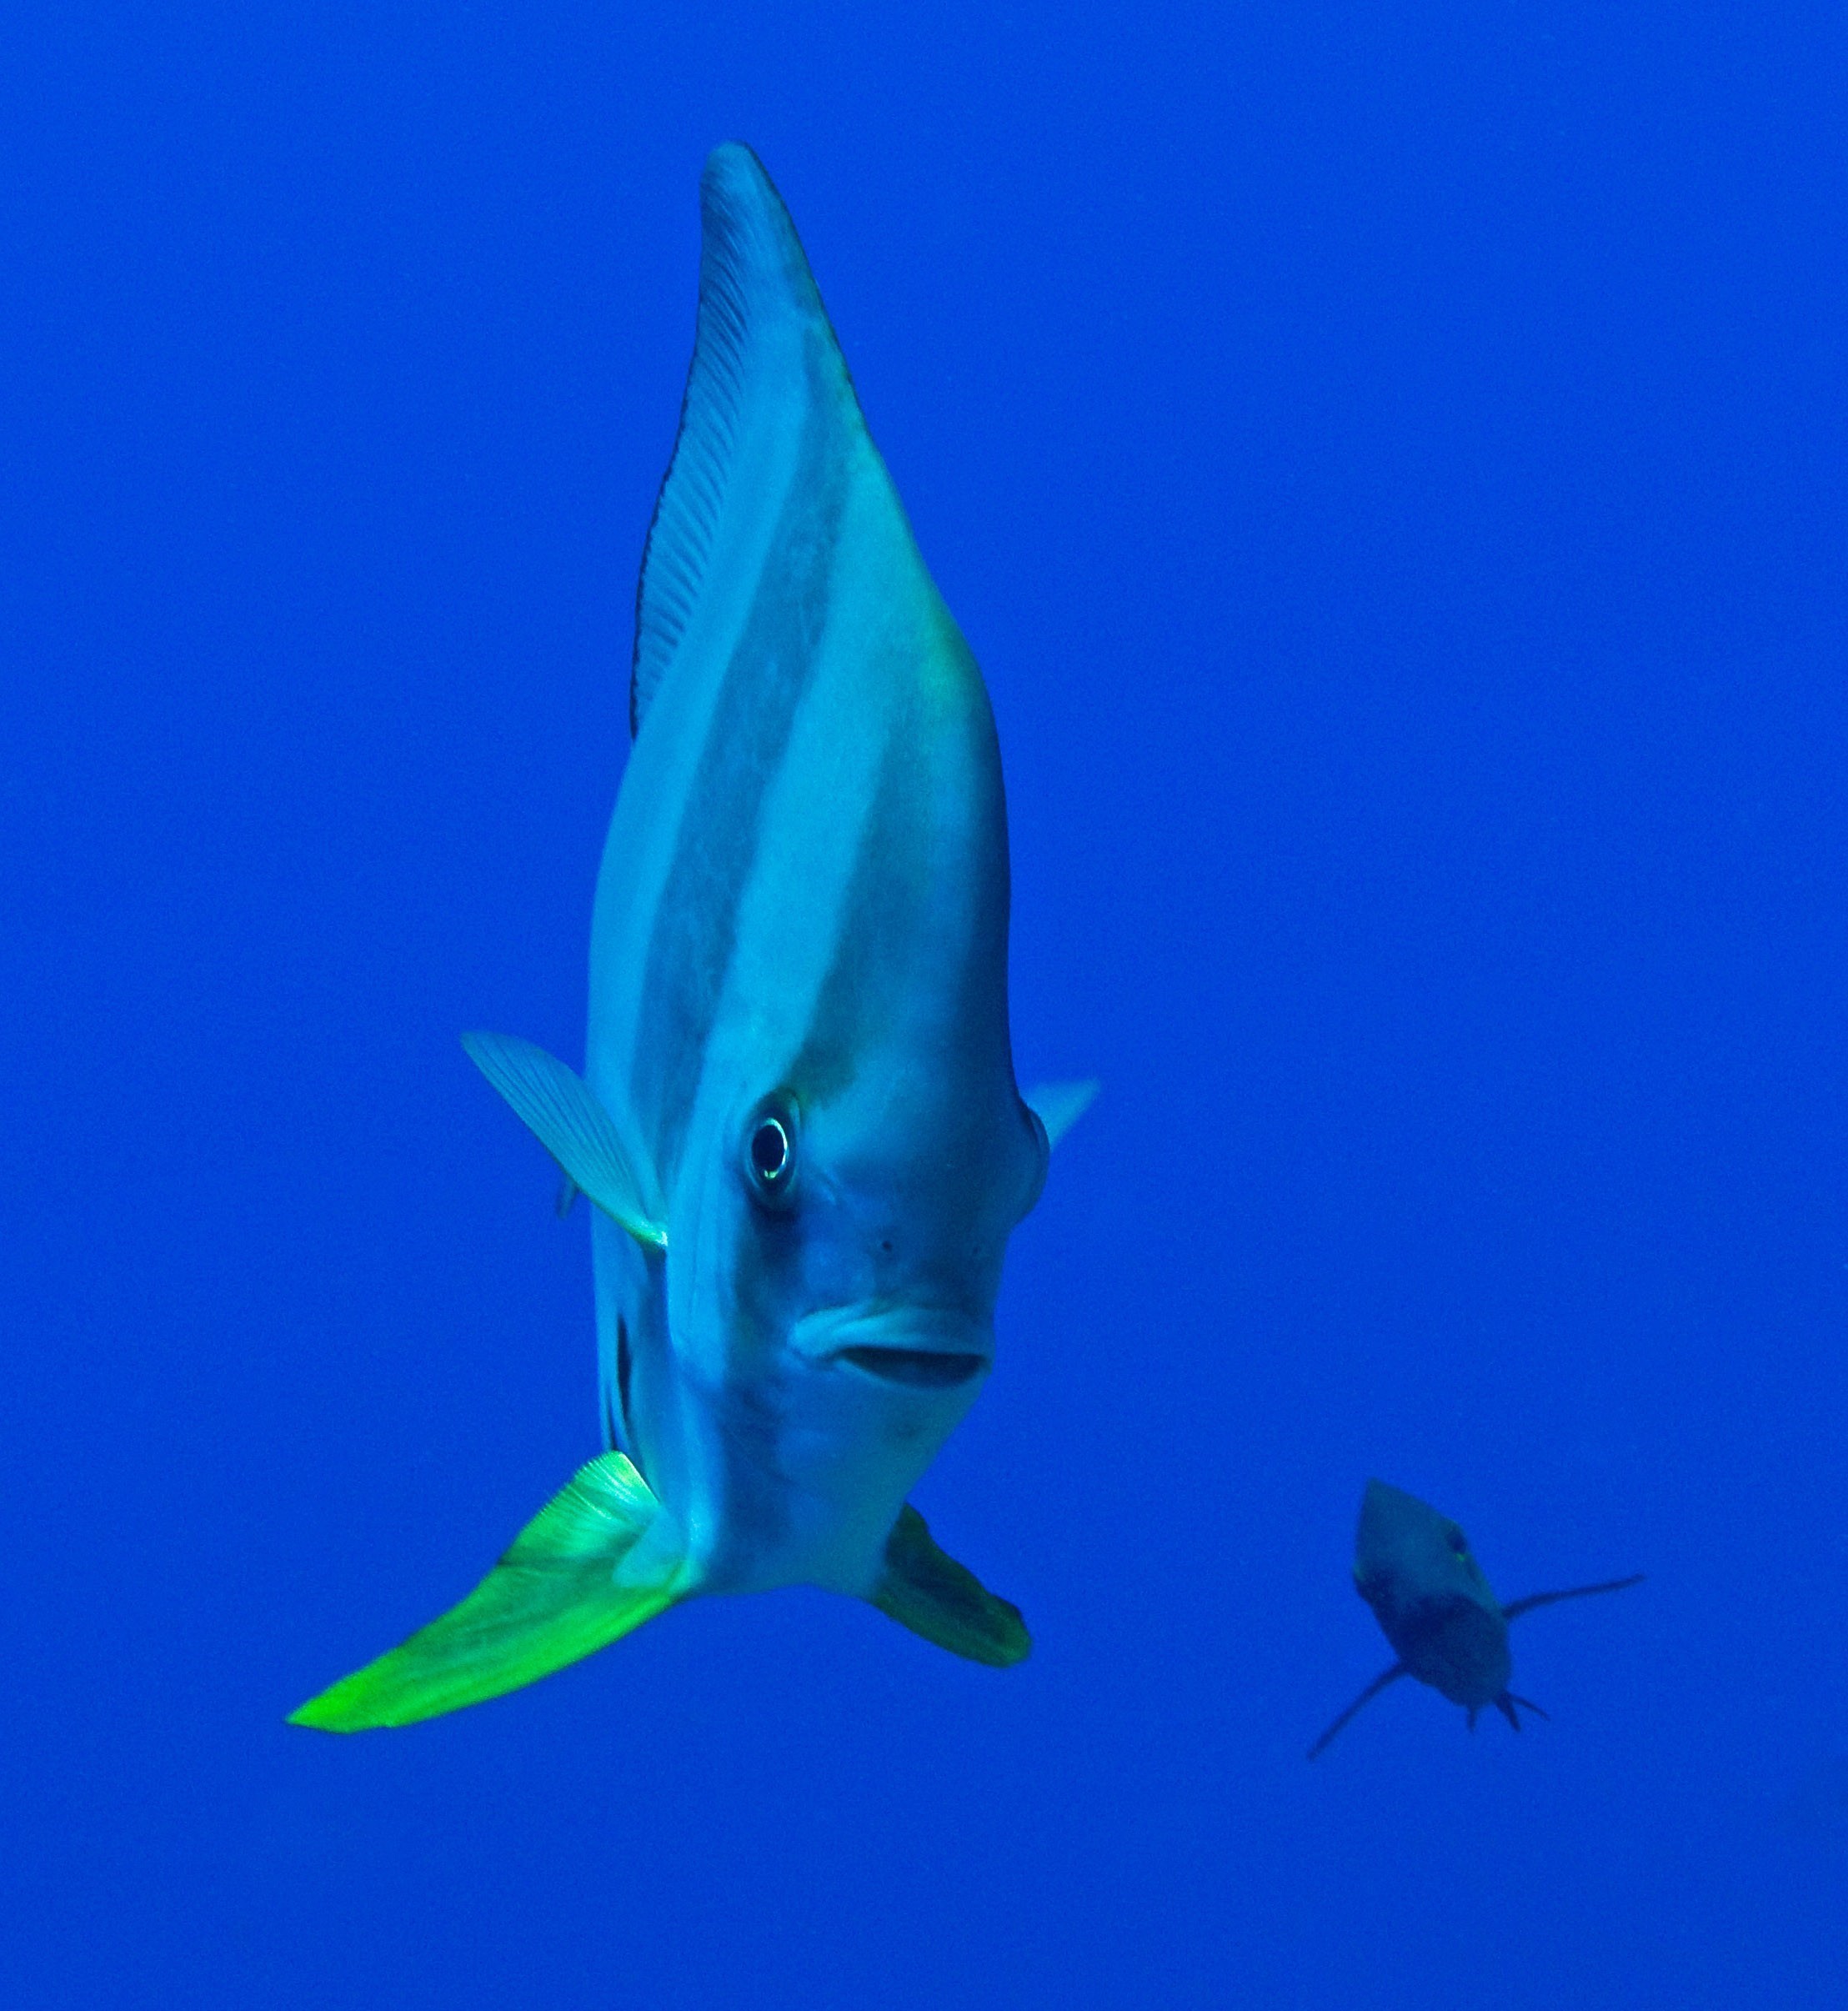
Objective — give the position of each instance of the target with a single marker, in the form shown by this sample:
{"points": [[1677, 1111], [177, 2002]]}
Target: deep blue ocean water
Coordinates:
{"points": [[1389, 461]]}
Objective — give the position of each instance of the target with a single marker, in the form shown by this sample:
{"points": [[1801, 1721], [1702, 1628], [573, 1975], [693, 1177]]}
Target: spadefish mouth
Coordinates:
{"points": [[925, 1368], [911, 1346]]}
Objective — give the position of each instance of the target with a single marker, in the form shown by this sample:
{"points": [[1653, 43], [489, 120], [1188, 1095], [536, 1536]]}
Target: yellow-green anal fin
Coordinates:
{"points": [[597, 1561], [934, 1596]]}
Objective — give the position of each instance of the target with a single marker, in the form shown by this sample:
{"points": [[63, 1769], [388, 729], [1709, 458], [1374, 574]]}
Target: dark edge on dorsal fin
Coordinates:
{"points": [[1575, 1592], [750, 259], [1386, 1677]]}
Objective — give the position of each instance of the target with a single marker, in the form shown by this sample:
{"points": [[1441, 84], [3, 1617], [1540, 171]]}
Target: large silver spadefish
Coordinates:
{"points": [[797, 1118]]}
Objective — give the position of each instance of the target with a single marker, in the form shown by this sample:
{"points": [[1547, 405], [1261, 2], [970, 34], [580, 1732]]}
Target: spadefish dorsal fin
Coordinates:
{"points": [[1059, 1106], [597, 1561], [934, 1596], [753, 348], [556, 1104], [1382, 1680], [1576, 1592]]}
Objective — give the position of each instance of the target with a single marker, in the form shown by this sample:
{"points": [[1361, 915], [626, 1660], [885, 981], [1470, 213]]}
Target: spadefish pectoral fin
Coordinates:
{"points": [[1059, 1106], [1382, 1680], [934, 1596], [556, 1104], [597, 1561]]}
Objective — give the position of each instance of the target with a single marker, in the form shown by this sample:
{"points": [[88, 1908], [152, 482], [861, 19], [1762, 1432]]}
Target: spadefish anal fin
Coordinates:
{"points": [[923, 1589], [1384, 1680], [591, 1566], [556, 1104]]}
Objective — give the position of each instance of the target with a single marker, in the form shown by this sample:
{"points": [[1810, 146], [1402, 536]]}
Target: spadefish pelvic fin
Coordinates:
{"points": [[923, 1589], [591, 1566], [1059, 1106], [1384, 1680], [556, 1104], [1576, 1592]]}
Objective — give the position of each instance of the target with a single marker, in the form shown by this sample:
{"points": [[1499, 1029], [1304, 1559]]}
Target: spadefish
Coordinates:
{"points": [[1415, 1570], [797, 1118]]}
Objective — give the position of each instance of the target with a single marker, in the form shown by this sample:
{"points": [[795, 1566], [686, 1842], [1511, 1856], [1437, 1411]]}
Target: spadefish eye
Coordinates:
{"points": [[1459, 1542], [770, 1151]]}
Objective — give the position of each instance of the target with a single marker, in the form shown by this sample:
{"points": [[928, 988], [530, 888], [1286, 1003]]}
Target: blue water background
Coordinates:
{"points": [[1389, 460]]}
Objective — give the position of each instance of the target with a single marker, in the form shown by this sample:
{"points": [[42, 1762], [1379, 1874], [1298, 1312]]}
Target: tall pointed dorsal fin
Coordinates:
{"points": [[754, 346]]}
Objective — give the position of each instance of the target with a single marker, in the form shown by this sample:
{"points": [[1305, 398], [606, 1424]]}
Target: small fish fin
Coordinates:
{"points": [[752, 358], [1576, 1592], [1382, 1680], [1059, 1106], [934, 1596], [597, 1561], [1505, 1704], [556, 1104], [567, 1196]]}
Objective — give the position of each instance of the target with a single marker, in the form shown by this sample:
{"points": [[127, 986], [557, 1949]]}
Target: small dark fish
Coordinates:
{"points": [[1413, 1568]]}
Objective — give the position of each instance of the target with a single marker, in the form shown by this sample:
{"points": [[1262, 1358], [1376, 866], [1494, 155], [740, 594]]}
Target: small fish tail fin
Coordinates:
{"points": [[923, 1589], [1382, 1680], [597, 1561], [1507, 1701], [1576, 1592]]}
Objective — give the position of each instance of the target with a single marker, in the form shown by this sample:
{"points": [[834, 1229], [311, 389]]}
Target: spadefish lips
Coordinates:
{"points": [[919, 1347], [920, 1367]]}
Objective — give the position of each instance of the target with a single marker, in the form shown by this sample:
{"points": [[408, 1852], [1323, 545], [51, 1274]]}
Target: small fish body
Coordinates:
{"points": [[1415, 1568], [1432, 1599], [798, 1119]]}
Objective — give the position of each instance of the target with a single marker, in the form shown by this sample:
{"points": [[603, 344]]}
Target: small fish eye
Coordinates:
{"points": [[1459, 1542], [770, 1150]]}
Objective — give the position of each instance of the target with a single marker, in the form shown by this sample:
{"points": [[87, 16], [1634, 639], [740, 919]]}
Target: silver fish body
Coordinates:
{"points": [[797, 1117]]}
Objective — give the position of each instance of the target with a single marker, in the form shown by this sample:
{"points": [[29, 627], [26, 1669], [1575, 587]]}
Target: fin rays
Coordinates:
{"points": [[754, 282], [932, 1594], [589, 1568], [556, 1104]]}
